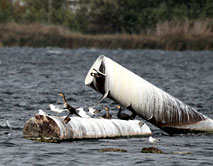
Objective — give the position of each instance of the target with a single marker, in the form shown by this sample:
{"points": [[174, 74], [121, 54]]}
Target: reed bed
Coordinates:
{"points": [[173, 35]]}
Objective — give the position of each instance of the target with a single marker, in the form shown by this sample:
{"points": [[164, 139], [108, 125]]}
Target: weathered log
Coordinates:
{"points": [[148, 101], [53, 128]]}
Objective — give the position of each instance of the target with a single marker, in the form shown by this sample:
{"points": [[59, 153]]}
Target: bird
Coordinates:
{"points": [[83, 113], [107, 115], [71, 109], [124, 116], [41, 112], [98, 74], [9, 126], [153, 140], [99, 79], [56, 109], [66, 105], [93, 111], [141, 123]]}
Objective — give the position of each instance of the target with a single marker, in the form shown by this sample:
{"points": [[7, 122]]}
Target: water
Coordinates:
{"points": [[31, 78]]}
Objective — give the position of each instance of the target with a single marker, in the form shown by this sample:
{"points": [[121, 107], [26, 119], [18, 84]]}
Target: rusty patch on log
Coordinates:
{"points": [[40, 127]]}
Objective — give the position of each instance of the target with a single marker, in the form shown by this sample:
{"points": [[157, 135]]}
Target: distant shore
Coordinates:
{"points": [[166, 36]]}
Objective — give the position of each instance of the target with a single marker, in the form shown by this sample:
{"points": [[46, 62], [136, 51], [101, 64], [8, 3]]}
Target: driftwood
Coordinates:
{"points": [[53, 128], [145, 99]]}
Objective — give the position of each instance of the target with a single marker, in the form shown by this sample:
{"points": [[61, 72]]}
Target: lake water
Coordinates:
{"points": [[31, 78]]}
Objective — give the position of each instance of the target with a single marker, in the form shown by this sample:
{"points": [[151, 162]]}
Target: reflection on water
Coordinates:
{"points": [[31, 78]]}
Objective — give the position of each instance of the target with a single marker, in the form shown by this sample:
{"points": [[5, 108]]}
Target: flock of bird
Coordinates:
{"points": [[81, 113], [90, 114]]}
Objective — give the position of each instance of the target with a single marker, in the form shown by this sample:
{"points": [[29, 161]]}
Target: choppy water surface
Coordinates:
{"points": [[31, 79]]}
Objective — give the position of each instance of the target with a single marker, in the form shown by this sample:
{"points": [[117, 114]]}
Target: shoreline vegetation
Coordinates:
{"points": [[112, 24], [179, 35]]}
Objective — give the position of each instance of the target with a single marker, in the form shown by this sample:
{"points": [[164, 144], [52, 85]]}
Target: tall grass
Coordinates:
{"points": [[174, 35], [195, 35]]}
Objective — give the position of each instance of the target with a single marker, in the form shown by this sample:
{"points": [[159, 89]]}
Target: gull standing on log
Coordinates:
{"points": [[83, 113], [41, 112]]}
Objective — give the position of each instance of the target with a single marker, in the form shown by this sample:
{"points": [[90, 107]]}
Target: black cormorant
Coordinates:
{"points": [[71, 109], [124, 116]]}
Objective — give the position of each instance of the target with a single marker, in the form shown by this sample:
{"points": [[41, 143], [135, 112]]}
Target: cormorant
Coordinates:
{"points": [[124, 116], [107, 115], [71, 109], [98, 83], [98, 74]]}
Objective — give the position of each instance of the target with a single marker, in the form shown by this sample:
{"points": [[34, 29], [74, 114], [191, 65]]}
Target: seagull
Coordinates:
{"points": [[153, 140], [107, 115], [41, 112], [83, 113], [9, 126], [93, 111], [56, 109]]}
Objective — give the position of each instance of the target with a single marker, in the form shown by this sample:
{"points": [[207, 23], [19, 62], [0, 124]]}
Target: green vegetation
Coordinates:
{"points": [[162, 24]]}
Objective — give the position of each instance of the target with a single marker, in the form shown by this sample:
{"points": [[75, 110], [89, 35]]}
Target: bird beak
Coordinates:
{"points": [[118, 106]]}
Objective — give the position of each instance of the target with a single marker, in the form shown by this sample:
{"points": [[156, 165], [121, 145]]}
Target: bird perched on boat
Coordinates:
{"points": [[99, 81], [107, 115], [98, 74], [56, 109], [71, 109], [124, 116], [153, 140]]}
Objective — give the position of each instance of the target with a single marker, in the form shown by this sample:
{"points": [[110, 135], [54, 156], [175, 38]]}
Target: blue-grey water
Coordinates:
{"points": [[31, 78]]}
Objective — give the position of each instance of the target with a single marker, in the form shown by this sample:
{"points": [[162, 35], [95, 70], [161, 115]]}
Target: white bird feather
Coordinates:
{"points": [[93, 111], [153, 140], [41, 112], [56, 109], [83, 113]]}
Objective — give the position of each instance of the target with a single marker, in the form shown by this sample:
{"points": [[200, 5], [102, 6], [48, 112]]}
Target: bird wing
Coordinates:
{"points": [[41, 112]]}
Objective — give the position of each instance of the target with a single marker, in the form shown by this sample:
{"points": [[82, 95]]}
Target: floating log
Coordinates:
{"points": [[148, 101], [53, 128]]}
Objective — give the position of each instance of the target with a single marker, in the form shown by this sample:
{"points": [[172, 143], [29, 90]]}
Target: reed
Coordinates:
{"points": [[181, 35], [1, 45], [173, 35]]}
